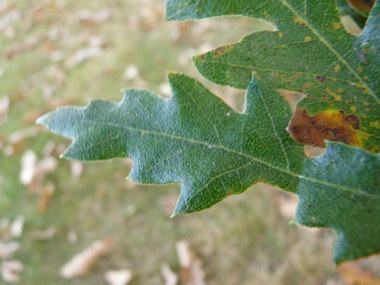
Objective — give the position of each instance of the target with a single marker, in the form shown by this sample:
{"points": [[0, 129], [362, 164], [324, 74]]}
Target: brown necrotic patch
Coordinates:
{"points": [[218, 52], [320, 78], [332, 125]]}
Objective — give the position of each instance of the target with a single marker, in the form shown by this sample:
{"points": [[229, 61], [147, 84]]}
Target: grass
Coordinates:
{"points": [[244, 240]]}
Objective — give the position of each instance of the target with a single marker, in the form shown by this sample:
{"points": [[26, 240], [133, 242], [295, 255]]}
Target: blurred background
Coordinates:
{"points": [[64, 222]]}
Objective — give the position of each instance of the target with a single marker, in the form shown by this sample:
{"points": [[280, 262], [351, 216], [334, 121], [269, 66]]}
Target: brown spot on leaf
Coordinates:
{"points": [[229, 47], [289, 82], [297, 74], [218, 52], [330, 125], [320, 78]]}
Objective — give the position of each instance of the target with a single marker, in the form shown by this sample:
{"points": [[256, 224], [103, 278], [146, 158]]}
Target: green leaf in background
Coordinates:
{"points": [[309, 52], [195, 139]]}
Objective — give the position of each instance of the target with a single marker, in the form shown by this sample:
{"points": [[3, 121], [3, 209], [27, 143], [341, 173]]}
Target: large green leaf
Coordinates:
{"points": [[195, 139], [309, 52]]}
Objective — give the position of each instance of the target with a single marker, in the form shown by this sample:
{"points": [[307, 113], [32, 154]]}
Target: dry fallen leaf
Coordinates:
{"points": [[92, 18], [44, 166], [354, 273], [165, 89], [191, 266], [72, 236], [118, 277], [76, 169], [43, 235], [169, 276], [28, 164], [45, 196], [4, 106], [9, 270], [17, 226], [81, 263], [8, 248], [20, 135], [131, 72], [83, 54]]}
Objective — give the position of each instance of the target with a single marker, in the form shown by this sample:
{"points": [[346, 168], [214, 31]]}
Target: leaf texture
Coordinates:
{"points": [[309, 52], [195, 139]]}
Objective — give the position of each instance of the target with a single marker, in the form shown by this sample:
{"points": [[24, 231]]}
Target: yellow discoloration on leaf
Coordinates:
{"points": [[353, 108], [364, 116], [365, 77], [280, 34], [300, 21], [337, 68], [336, 25], [365, 103], [360, 69], [374, 125], [307, 39], [365, 135], [376, 147], [340, 90], [331, 103], [336, 96]]}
